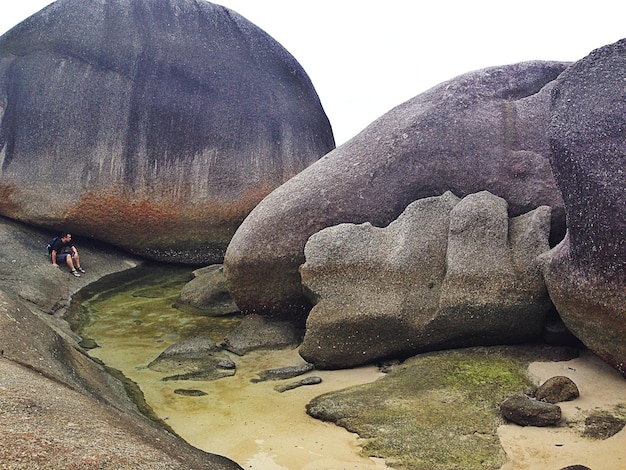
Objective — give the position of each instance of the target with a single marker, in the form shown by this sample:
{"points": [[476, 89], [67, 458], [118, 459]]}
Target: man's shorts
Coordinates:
{"points": [[62, 257]]}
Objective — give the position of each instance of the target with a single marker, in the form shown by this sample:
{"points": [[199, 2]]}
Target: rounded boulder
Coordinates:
{"points": [[484, 130], [155, 126]]}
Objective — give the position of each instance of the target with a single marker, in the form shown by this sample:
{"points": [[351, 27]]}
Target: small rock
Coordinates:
{"points": [[226, 364], [189, 393], [191, 348], [575, 467], [300, 383], [283, 372], [557, 389], [528, 412]]}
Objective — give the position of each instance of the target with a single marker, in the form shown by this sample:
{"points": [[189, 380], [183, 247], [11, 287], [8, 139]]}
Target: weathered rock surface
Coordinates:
{"points": [[557, 389], [436, 410], [300, 383], [207, 292], [525, 411], [59, 408], [194, 359], [604, 424], [282, 373], [484, 130], [156, 126], [256, 332], [586, 274], [190, 392], [447, 273]]}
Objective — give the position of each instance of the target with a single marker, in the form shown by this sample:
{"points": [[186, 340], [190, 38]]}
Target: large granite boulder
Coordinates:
{"points": [[481, 131], [155, 126], [586, 274], [447, 273]]}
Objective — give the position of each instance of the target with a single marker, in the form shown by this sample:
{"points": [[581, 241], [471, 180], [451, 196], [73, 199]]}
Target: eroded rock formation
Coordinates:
{"points": [[447, 273]]}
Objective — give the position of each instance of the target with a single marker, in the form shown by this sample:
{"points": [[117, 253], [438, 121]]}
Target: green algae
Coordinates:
{"points": [[436, 411], [137, 308], [135, 311]]}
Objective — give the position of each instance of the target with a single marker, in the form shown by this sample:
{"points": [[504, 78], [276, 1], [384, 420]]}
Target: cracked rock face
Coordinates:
{"points": [[484, 130], [154, 126], [447, 273], [586, 274]]}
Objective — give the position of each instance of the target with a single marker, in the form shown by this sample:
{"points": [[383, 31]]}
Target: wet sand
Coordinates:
{"points": [[263, 429], [251, 423], [601, 387]]}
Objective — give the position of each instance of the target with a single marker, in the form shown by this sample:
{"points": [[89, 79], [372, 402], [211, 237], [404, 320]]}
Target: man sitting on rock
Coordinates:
{"points": [[64, 252]]}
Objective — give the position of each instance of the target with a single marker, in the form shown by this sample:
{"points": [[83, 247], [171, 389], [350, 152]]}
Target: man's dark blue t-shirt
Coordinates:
{"points": [[61, 247]]}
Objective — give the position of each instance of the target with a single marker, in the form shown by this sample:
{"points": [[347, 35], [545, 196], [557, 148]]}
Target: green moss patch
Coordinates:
{"points": [[439, 410]]}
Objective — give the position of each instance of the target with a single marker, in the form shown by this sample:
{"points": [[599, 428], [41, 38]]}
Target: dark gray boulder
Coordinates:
{"points": [[528, 412], [207, 293], [484, 130], [557, 389], [586, 274], [194, 359], [256, 332], [153, 125], [300, 383], [447, 273]]}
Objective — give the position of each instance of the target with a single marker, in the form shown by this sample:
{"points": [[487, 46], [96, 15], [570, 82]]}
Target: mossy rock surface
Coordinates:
{"points": [[439, 410], [604, 424]]}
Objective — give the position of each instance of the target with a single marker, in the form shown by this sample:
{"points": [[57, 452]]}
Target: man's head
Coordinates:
{"points": [[66, 237]]}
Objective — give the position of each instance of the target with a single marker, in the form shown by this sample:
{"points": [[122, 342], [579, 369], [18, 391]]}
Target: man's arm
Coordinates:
{"points": [[54, 259]]}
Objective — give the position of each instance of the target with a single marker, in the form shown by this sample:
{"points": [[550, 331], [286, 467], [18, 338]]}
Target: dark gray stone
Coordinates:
{"points": [[484, 130], [189, 393], [256, 332], [194, 359], [557, 389], [603, 424], [586, 274], [157, 125], [283, 372], [300, 383], [528, 412], [207, 293]]}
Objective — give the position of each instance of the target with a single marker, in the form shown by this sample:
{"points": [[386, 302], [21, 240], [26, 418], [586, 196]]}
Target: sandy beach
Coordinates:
{"points": [[253, 424], [601, 388], [263, 429]]}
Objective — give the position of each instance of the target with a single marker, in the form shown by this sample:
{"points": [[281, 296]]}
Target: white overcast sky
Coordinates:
{"points": [[367, 56]]}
